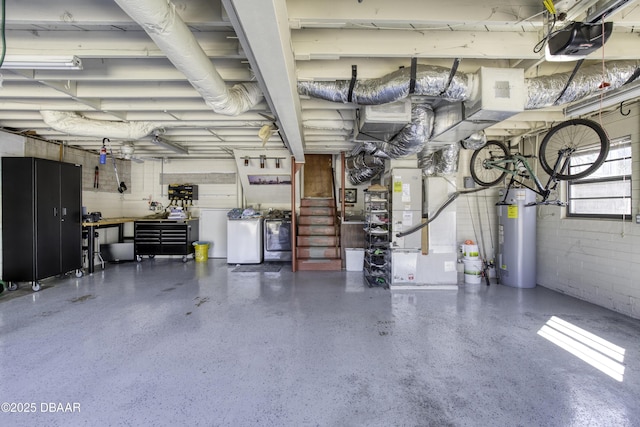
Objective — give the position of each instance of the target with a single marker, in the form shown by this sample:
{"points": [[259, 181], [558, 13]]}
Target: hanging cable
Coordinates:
{"points": [[541, 44], [3, 35], [432, 217], [604, 85]]}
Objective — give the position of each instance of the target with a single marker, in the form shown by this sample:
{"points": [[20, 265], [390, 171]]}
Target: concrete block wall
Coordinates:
{"points": [[596, 260], [106, 198]]}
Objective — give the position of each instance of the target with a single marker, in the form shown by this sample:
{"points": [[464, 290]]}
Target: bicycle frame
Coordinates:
{"points": [[519, 162]]}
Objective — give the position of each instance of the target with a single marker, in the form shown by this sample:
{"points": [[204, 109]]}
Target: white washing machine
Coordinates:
{"points": [[244, 241]]}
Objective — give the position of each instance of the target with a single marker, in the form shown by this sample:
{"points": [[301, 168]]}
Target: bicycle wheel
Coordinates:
{"points": [[481, 170], [586, 142]]}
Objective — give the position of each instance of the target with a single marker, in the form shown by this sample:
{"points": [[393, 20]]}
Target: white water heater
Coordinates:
{"points": [[517, 238]]}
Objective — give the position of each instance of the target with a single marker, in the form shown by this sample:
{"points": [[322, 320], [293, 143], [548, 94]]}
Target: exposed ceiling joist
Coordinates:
{"points": [[127, 78]]}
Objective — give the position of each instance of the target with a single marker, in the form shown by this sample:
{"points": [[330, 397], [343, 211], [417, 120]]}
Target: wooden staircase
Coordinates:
{"points": [[318, 240]]}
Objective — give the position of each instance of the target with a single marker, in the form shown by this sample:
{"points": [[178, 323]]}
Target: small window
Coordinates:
{"points": [[606, 193]]}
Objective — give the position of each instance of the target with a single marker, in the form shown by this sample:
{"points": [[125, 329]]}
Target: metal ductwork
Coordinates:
{"points": [[165, 27], [429, 81], [546, 91], [364, 167], [540, 92], [498, 94], [410, 139], [467, 113], [439, 160], [74, 124], [475, 141]]}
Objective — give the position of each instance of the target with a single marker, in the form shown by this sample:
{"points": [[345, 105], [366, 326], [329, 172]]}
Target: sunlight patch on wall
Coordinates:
{"points": [[599, 353]]}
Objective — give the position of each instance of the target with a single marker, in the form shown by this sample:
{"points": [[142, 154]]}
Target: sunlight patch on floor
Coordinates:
{"points": [[599, 353]]}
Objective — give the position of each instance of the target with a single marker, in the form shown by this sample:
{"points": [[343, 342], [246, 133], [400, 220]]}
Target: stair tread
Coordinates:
{"points": [[318, 244], [319, 264]]}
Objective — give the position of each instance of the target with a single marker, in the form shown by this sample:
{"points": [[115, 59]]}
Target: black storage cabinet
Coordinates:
{"points": [[41, 219], [165, 237]]}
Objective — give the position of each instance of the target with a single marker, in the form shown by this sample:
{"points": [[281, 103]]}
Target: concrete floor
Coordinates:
{"points": [[167, 343]]}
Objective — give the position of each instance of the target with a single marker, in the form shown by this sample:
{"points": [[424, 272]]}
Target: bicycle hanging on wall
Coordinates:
{"points": [[583, 140]]}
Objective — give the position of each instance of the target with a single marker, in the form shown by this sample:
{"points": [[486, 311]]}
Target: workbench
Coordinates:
{"points": [[90, 228]]}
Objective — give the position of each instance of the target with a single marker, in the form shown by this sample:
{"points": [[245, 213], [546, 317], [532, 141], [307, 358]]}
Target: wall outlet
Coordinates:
{"points": [[468, 182], [638, 218]]}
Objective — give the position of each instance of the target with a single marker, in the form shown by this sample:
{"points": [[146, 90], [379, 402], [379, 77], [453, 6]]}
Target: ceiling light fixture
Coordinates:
{"points": [[607, 99], [176, 148], [23, 62]]}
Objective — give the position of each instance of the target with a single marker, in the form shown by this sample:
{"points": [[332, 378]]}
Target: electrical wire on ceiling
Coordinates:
{"points": [[431, 28], [551, 9], [3, 34]]}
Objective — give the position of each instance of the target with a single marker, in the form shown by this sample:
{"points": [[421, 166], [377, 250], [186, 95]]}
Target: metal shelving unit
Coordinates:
{"points": [[376, 254]]}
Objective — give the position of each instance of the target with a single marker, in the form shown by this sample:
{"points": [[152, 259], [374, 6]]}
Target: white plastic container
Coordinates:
{"points": [[472, 270], [470, 251], [354, 259]]}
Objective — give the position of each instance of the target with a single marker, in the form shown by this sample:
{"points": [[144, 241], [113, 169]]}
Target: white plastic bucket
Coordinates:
{"points": [[472, 270], [470, 251]]}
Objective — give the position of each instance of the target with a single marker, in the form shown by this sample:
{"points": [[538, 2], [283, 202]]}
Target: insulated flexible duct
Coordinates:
{"points": [[165, 27], [544, 91], [447, 159], [435, 161], [475, 141], [364, 167], [411, 138], [430, 81], [74, 124], [427, 161], [371, 148]]}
